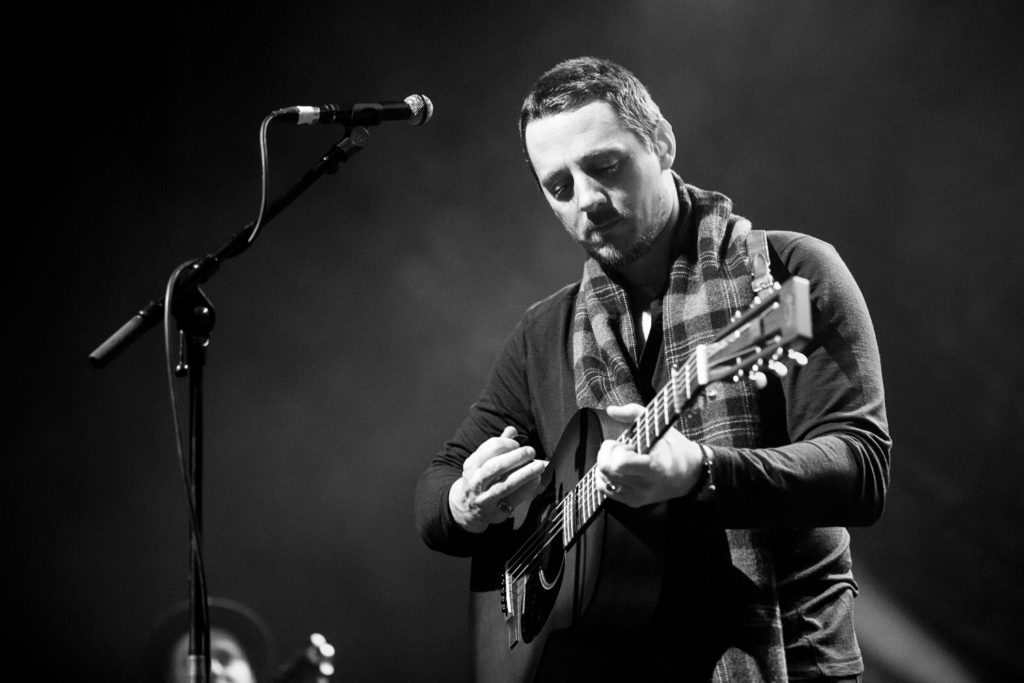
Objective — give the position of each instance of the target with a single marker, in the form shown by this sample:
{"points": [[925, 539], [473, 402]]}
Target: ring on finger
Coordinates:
{"points": [[505, 507], [612, 488]]}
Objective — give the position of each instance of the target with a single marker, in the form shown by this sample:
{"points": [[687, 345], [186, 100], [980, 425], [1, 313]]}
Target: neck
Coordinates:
{"points": [[645, 278]]}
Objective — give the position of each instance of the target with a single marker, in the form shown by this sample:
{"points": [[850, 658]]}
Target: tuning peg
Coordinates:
{"points": [[758, 379], [778, 369], [797, 357]]}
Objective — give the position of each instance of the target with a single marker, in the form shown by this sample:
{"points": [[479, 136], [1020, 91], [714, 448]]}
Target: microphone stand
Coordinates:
{"points": [[204, 268], [195, 318]]}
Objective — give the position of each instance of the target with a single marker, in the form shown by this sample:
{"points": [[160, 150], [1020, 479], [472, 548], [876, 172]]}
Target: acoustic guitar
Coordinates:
{"points": [[575, 560]]}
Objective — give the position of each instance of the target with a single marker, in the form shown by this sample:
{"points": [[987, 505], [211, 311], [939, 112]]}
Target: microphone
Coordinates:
{"points": [[415, 109]]}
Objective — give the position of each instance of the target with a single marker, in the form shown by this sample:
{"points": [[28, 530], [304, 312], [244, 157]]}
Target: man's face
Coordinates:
{"points": [[605, 184]]}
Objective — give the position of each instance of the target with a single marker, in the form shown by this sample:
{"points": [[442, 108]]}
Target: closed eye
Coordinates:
{"points": [[560, 190]]}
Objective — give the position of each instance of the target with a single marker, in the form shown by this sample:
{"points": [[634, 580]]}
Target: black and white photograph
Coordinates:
{"points": [[514, 342]]}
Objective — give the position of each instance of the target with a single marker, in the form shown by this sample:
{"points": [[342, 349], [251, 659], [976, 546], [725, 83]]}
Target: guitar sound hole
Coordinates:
{"points": [[551, 563], [542, 587]]}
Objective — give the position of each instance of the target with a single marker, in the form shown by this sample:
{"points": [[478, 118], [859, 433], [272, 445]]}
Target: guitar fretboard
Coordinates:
{"points": [[583, 501]]}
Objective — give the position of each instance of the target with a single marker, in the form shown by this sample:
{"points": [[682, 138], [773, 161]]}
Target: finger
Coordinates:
{"points": [[499, 467], [605, 484], [615, 458], [524, 476], [609, 488], [620, 466], [521, 485], [626, 413], [606, 460], [496, 445], [525, 488]]}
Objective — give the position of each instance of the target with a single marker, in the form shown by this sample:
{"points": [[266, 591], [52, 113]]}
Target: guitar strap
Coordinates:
{"points": [[758, 259]]}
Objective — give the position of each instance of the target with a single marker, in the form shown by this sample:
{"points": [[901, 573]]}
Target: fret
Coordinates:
{"points": [[645, 444], [652, 414], [668, 418], [583, 501], [593, 499], [686, 381], [673, 381], [656, 411], [652, 417], [588, 497], [569, 518]]}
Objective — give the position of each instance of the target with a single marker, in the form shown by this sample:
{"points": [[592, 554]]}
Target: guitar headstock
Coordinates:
{"points": [[775, 326]]}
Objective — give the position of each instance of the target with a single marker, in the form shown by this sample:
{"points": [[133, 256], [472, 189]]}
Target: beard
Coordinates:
{"points": [[622, 247], [622, 252]]}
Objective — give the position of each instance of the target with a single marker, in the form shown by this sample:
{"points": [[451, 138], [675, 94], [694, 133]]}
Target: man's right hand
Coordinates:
{"points": [[499, 476]]}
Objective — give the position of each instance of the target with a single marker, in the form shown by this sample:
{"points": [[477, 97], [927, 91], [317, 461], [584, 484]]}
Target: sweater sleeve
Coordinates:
{"points": [[831, 468], [503, 402]]}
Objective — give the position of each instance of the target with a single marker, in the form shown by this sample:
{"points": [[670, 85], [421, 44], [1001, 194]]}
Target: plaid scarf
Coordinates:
{"points": [[708, 282]]}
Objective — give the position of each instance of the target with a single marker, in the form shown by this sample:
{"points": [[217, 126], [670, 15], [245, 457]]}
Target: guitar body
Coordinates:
{"points": [[609, 576]]}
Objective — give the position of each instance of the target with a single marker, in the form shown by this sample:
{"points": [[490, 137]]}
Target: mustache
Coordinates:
{"points": [[602, 218]]}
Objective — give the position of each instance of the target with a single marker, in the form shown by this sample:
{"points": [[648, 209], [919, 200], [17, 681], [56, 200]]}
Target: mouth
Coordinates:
{"points": [[605, 225]]}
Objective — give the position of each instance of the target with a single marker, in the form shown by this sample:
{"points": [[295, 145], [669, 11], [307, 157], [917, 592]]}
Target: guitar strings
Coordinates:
{"points": [[555, 524], [586, 489], [590, 500], [529, 552]]}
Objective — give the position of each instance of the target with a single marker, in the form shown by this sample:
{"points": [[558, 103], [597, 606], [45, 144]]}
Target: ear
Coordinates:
{"points": [[665, 144]]}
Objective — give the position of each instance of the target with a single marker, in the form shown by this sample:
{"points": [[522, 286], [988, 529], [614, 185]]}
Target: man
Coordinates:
{"points": [[757, 486]]}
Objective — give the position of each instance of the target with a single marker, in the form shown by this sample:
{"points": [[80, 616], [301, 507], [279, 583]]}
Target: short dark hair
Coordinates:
{"points": [[577, 82]]}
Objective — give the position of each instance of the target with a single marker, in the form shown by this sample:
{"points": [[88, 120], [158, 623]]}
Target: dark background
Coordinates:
{"points": [[352, 337]]}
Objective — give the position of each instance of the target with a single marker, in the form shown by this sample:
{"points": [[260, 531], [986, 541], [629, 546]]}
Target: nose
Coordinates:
{"points": [[590, 194]]}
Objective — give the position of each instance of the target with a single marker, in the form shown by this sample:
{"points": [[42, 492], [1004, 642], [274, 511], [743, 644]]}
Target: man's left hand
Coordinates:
{"points": [[670, 470]]}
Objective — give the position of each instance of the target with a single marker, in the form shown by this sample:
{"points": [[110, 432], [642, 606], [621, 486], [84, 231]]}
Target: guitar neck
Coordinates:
{"points": [[685, 382]]}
